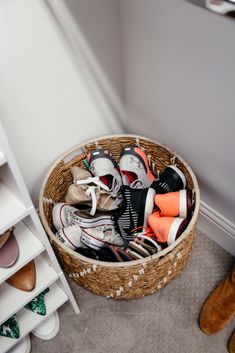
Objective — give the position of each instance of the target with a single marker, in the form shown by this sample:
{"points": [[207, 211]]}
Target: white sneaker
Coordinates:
{"points": [[103, 165], [98, 237], [64, 215], [49, 328], [70, 236]]}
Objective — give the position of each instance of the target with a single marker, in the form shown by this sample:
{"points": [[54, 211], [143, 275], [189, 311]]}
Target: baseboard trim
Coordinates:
{"points": [[217, 227]]}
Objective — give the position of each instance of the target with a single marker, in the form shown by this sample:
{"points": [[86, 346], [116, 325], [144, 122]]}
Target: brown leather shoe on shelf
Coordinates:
{"points": [[231, 343], [219, 308], [25, 278]]}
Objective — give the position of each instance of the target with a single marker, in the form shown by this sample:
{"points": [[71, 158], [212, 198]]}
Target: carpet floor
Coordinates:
{"points": [[165, 322]]}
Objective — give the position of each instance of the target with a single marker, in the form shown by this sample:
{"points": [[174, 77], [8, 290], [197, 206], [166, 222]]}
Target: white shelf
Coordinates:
{"points": [[16, 209], [11, 209], [29, 320], [29, 248], [45, 276], [2, 159]]}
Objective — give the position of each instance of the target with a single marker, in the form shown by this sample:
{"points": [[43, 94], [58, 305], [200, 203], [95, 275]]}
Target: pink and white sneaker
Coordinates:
{"points": [[134, 168], [103, 165]]}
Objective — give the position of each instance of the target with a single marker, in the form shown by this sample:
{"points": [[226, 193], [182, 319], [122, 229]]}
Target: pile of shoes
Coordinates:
{"points": [[121, 211]]}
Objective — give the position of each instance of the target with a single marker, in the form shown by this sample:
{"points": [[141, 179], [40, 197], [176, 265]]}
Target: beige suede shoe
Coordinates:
{"points": [[219, 308], [88, 190]]}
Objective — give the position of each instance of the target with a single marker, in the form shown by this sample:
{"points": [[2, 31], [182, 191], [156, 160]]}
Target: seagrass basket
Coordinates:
{"points": [[118, 280]]}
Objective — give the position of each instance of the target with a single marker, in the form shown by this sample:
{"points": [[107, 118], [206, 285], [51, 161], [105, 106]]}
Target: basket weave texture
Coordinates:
{"points": [[118, 280]]}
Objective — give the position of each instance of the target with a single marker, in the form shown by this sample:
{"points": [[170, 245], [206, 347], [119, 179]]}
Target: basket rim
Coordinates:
{"points": [[127, 263]]}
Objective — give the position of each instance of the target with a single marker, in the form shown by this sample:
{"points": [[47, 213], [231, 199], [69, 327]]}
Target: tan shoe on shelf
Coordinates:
{"points": [[25, 278], [219, 308]]}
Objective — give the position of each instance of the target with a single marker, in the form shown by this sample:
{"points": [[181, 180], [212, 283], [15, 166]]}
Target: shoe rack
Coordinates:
{"points": [[17, 209]]}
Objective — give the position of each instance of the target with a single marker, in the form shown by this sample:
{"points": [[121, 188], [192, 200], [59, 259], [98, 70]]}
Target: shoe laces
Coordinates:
{"points": [[69, 217], [148, 231], [92, 180], [91, 192], [136, 184], [109, 234], [115, 187]]}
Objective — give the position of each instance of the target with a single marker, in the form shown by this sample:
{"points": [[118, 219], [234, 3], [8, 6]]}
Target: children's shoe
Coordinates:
{"points": [[103, 165], [136, 206], [175, 204], [135, 169], [167, 229], [90, 191], [70, 236], [64, 215], [98, 237], [172, 179]]}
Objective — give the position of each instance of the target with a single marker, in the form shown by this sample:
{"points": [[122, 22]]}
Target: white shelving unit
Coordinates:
{"points": [[16, 209], [29, 320]]}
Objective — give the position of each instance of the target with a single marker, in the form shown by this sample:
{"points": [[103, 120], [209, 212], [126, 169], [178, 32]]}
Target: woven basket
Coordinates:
{"points": [[118, 280]]}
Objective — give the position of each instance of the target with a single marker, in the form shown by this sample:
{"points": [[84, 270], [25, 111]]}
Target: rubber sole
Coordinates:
{"points": [[149, 205]]}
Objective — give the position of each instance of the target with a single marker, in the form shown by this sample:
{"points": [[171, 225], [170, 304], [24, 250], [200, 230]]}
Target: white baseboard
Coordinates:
{"points": [[217, 227]]}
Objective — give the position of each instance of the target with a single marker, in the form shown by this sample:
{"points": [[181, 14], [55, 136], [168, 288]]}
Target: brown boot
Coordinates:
{"points": [[231, 343], [219, 307]]}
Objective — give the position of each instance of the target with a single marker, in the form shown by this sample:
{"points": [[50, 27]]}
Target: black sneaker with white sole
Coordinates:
{"points": [[133, 212], [172, 179]]}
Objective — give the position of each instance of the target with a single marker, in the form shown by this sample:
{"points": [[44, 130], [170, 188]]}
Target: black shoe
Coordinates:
{"points": [[103, 254], [172, 179], [106, 253], [133, 212]]}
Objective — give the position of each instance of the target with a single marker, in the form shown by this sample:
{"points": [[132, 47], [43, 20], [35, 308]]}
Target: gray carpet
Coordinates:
{"points": [[165, 322]]}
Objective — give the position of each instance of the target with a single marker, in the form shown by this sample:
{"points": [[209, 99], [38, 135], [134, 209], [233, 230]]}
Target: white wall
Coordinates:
{"points": [[45, 104], [99, 21], [179, 88]]}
